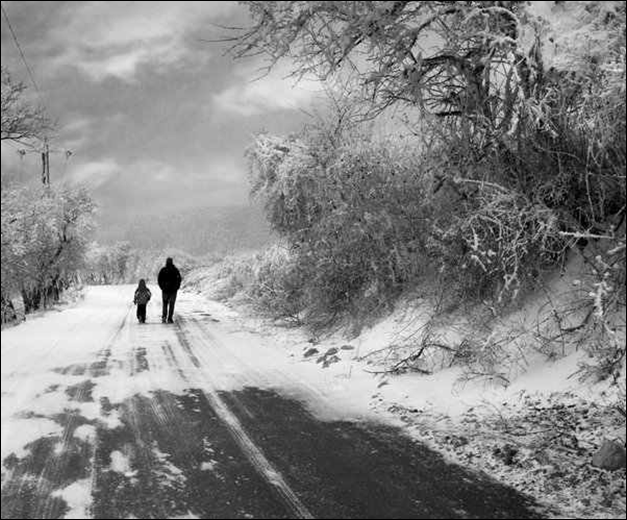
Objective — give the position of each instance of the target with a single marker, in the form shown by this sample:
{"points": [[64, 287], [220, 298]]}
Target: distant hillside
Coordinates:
{"points": [[196, 231]]}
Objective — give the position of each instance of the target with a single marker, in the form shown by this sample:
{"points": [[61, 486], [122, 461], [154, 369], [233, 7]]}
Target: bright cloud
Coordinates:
{"points": [[226, 168], [76, 133], [150, 171], [274, 91], [94, 173], [104, 39]]}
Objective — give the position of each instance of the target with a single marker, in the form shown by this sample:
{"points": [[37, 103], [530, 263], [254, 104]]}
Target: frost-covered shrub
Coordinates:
{"points": [[354, 215], [602, 332], [234, 276], [45, 233], [277, 285], [498, 243]]}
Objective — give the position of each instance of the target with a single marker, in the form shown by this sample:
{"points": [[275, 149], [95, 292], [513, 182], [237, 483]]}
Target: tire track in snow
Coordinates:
{"points": [[62, 459], [131, 362], [43, 355], [20, 474], [254, 454], [264, 378], [171, 359], [138, 363], [98, 368], [164, 437]]}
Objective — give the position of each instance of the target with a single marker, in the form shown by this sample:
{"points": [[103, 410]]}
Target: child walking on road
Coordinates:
{"points": [[142, 296]]}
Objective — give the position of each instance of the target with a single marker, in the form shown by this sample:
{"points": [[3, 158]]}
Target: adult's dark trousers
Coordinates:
{"points": [[141, 312], [169, 299]]}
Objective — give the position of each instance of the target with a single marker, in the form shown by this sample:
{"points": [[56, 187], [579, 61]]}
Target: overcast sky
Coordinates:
{"points": [[156, 118]]}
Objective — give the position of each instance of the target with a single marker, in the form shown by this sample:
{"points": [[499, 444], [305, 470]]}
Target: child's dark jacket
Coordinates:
{"points": [[142, 295]]}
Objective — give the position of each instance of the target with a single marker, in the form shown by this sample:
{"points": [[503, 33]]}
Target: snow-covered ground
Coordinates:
{"points": [[67, 372], [535, 418]]}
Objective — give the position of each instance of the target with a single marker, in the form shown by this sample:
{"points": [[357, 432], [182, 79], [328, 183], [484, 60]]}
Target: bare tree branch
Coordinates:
{"points": [[21, 121]]}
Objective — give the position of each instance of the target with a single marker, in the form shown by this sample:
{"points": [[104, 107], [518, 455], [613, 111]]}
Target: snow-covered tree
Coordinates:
{"points": [[519, 108], [450, 58], [108, 264], [44, 237]]}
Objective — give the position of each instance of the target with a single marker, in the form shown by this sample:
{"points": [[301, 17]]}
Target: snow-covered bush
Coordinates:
{"points": [[353, 213], [497, 242], [277, 284], [107, 264], [44, 238], [236, 274]]}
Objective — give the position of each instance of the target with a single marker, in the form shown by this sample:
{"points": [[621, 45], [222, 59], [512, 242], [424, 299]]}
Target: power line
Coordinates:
{"points": [[19, 48]]}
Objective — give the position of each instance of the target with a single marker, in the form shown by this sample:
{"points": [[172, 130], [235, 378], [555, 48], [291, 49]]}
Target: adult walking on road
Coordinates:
{"points": [[169, 282]]}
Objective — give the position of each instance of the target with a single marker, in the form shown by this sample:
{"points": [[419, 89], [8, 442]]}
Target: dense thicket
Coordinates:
{"points": [[518, 154]]}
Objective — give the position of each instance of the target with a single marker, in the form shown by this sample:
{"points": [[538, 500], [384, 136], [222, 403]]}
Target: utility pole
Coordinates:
{"points": [[44, 151], [45, 164]]}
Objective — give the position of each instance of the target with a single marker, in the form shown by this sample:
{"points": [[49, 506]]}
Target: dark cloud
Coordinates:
{"points": [[157, 119]]}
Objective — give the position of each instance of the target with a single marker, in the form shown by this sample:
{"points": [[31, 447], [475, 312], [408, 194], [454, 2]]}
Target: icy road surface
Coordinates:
{"points": [[105, 418]]}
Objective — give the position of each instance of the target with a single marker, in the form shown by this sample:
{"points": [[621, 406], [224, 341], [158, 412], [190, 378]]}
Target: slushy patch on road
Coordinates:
{"points": [[81, 392], [32, 483], [173, 456]]}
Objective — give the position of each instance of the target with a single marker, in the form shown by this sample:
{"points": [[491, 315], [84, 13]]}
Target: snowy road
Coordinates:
{"points": [[106, 418]]}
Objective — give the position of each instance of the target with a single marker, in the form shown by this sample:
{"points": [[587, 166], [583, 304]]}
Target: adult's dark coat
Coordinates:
{"points": [[169, 279]]}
